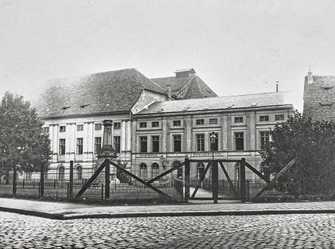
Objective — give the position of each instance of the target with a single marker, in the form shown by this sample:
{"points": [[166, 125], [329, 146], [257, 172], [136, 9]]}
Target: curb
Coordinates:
{"points": [[164, 214]]}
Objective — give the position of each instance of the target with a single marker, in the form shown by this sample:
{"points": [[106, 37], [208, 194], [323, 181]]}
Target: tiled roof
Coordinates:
{"points": [[186, 87], [216, 103], [106, 92]]}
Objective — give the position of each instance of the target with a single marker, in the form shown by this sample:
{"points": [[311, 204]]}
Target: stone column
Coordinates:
{"points": [[129, 136], [224, 133], [188, 134], [123, 135], [229, 135], [252, 131], [164, 136]]}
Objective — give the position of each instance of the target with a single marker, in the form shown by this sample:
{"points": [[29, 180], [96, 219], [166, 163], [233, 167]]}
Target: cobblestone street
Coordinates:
{"points": [[269, 231]]}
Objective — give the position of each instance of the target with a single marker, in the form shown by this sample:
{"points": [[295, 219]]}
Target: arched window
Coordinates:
{"points": [[61, 173], [143, 171], [79, 172], [200, 170], [154, 170]]}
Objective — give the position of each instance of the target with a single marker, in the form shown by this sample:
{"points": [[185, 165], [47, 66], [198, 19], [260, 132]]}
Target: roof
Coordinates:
{"points": [[218, 103], [186, 87], [324, 80], [106, 92]]}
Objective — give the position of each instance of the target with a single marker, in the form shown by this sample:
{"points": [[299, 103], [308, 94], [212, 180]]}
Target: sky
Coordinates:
{"points": [[235, 46]]}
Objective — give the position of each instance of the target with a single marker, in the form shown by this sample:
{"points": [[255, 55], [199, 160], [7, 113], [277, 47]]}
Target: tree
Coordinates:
{"points": [[22, 141], [312, 143]]}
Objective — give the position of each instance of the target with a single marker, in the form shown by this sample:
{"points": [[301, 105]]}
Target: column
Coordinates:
{"points": [[123, 135], [129, 136], [164, 135], [229, 135], [188, 132], [252, 131], [224, 133], [134, 136]]}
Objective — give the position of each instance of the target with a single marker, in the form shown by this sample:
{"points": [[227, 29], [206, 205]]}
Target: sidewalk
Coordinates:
{"points": [[65, 211]]}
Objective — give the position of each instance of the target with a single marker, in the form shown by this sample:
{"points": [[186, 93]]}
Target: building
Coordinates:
{"points": [[73, 111], [156, 122], [167, 131], [319, 96]]}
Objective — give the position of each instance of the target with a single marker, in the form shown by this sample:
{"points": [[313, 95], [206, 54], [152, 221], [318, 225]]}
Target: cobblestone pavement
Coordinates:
{"points": [[270, 231]]}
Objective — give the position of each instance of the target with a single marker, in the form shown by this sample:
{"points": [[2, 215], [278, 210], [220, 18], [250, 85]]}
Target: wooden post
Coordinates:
{"points": [[71, 181], [187, 179], [242, 180], [14, 181], [42, 181], [215, 180], [107, 179]]}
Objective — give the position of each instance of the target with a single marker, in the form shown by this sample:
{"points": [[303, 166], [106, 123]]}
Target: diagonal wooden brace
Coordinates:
{"points": [[228, 178], [259, 174], [165, 173], [142, 181], [92, 178], [201, 179]]}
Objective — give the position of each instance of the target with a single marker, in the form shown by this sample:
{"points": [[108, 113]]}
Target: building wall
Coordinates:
{"points": [[88, 159], [226, 127]]}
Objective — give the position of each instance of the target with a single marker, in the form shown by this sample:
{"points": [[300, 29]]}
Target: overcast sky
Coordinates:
{"points": [[237, 46]]}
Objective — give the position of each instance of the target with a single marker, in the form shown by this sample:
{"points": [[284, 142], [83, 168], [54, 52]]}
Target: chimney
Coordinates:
{"points": [[185, 73], [310, 76], [169, 92]]}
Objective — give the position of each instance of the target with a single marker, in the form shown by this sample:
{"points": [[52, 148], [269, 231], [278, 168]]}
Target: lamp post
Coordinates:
{"points": [[215, 178]]}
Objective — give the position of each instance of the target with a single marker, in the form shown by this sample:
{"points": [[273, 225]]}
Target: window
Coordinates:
{"points": [[265, 139], [213, 121], [238, 119], [46, 130], [62, 128], [155, 124], [117, 144], [80, 146], [154, 170], [143, 171], [199, 121], [155, 143], [200, 138], [264, 118], [98, 127], [61, 173], [176, 123], [143, 124], [97, 145], [143, 144], [214, 142], [80, 127], [79, 172], [176, 143], [62, 146], [117, 125], [279, 117], [239, 141]]}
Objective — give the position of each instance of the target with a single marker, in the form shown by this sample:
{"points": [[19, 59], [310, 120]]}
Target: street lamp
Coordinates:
{"points": [[212, 139]]}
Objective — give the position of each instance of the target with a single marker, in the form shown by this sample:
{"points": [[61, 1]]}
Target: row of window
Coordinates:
{"points": [[214, 121], [80, 127], [97, 145], [200, 142]]}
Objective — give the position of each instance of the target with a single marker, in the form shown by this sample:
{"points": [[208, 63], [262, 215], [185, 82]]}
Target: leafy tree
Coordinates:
{"points": [[312, 143], [22, 141]]}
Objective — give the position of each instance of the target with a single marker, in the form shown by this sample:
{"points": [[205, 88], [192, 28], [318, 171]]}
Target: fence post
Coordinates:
{"points": [[242, 180], [71, 181], [215, 182], [107, 180], [14, 181], [187, 178], [102, 191], [42, 181]]}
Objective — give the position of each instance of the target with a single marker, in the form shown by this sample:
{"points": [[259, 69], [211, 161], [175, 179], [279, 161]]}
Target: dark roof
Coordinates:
{"points": [[186, 87], [106, 92], [324, 80], [217, 103]]}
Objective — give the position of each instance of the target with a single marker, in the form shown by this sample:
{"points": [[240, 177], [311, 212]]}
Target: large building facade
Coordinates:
{"points": [[156, 122]]}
